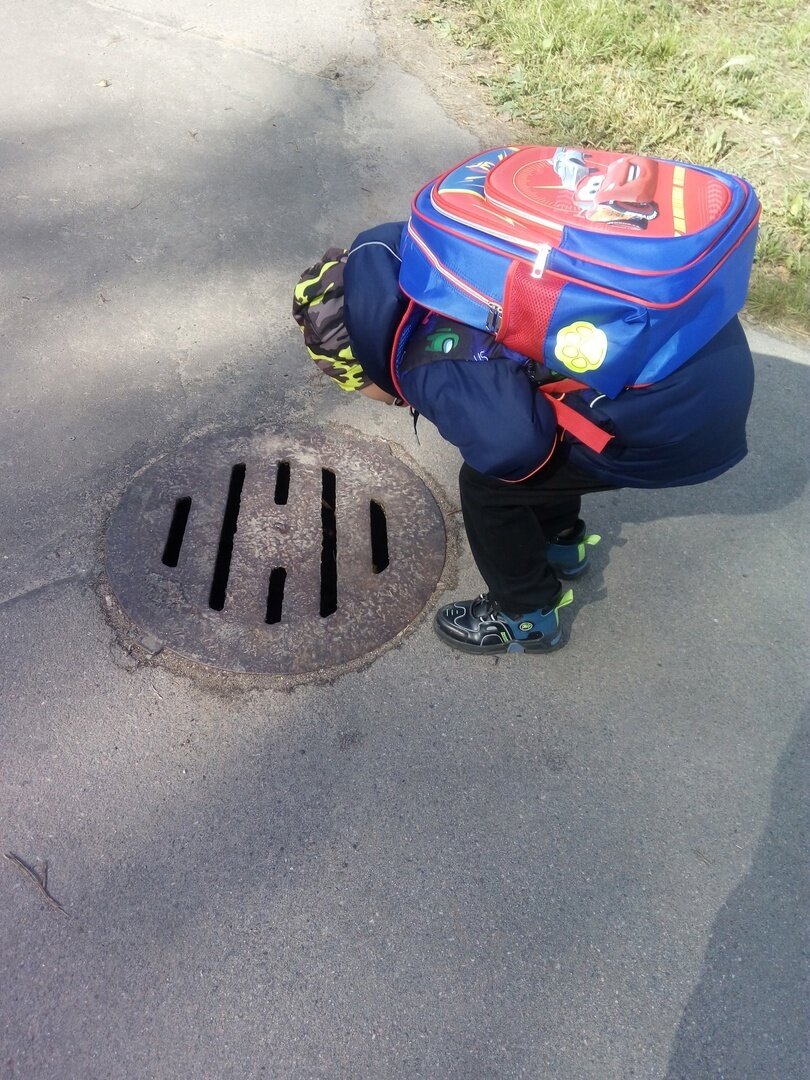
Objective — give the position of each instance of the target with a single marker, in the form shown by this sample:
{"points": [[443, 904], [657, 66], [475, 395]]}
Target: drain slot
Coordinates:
{"points": [[379, 537], [329, 548], [222, 566], [282, 492], [177, 531], [275, 595]]}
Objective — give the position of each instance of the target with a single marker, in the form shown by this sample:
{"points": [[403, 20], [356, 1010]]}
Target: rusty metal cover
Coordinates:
{"points": [[276, 553]]}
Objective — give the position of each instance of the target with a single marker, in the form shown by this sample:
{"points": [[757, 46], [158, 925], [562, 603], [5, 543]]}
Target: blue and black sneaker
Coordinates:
{"points": [[479, 626], [569, 555]]}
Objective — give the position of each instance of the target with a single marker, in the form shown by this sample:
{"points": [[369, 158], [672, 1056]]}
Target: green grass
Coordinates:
{"points": [[719, 82]]}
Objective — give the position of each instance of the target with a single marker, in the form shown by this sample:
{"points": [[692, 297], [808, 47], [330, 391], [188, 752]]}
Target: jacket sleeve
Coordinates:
{"points": [[489, 410], [373, 301]]}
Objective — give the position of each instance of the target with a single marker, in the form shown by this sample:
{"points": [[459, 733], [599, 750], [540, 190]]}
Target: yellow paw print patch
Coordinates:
{"points": [[581, 346]]}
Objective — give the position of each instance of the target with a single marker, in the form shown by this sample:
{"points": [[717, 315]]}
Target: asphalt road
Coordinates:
{"points": [[583, 866]]}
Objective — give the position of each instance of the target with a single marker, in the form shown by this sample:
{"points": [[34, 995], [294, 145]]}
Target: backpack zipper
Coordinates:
{"points": [[488, 230], [550, 226], [494, 309], [497, 309], [539, 264]]}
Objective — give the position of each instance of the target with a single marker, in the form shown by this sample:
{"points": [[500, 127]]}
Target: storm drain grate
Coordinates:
{"points": [[276, 553]]}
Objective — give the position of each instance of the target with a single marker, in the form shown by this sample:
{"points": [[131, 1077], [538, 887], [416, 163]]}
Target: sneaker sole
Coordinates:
{"points": [[504, 647], [567, 572]]}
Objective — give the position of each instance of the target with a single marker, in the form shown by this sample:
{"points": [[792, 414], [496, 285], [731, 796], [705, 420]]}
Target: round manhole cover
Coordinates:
{"points": [[276, 553]]}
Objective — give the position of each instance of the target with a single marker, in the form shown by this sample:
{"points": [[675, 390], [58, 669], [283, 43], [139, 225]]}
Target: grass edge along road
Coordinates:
{"points": [[725, 84]]}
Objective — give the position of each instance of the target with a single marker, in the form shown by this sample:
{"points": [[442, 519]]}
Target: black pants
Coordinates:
{"points": [[509, 526]]}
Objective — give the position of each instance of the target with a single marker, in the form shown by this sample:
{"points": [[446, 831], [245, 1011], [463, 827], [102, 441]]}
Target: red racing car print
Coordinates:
{"points": [[623, 192]]}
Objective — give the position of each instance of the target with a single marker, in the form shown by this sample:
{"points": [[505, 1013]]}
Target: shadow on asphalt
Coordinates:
{"points": [[747, 1016]]}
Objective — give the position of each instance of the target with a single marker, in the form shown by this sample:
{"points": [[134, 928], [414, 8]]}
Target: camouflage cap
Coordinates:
{"points": [[318, 310]]}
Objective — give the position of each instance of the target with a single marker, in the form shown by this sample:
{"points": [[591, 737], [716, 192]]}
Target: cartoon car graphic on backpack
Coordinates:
{"points": [[622, 192]]}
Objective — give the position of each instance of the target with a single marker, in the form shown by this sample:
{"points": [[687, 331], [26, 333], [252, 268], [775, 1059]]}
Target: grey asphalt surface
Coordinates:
{"points": [[588, 865]]}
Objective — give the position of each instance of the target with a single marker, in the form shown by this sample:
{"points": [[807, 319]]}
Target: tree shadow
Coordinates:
{"points": [[279, 826]]}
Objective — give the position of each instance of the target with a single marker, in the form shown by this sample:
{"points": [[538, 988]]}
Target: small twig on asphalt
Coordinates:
{"points": [[27, 872]]}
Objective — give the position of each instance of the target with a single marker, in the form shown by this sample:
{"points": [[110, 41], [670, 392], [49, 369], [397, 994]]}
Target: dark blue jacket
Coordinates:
{"points": [[685, 429], [373, 304]]}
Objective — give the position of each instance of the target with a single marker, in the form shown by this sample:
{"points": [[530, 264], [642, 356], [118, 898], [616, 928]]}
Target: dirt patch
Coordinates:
{"points": [[439, 66]]}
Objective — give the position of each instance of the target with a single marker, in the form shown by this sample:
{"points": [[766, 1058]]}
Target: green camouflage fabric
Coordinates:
{"points": [[318, 310]]}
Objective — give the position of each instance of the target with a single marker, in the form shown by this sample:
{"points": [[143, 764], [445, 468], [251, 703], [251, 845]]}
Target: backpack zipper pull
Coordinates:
{"points": [[539, 265], [494, 315]]}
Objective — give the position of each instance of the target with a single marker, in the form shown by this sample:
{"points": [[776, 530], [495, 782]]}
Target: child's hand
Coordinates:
{"points": [[377, 394]]}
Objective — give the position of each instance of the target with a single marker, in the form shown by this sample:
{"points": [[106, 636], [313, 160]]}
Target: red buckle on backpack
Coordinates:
{"points": [[572, 422]]}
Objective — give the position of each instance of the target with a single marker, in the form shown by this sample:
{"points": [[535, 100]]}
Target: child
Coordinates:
{"points": [[522, 478]]}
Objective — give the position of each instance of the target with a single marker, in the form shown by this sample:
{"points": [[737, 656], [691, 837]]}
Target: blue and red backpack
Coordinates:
{"points": [[609, 270]]}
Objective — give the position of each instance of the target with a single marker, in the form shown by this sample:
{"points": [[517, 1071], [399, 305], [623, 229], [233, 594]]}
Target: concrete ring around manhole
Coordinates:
{"points": [[276, 553]]}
